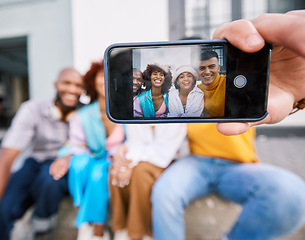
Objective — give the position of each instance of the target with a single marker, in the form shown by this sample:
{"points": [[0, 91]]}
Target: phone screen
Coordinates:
{"points": [[186, 81]]}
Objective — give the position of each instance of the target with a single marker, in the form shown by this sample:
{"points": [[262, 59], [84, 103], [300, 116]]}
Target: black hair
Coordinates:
{"points": [[206, 55], [147, 78]]}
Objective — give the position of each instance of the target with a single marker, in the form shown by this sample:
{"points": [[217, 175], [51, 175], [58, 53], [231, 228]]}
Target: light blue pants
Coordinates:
{"points": [[273, 199], [88, 186]]}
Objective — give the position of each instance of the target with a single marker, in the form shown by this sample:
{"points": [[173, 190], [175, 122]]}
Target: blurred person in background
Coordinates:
{"points": [[138, 163], [42, 126], [92, 135]]}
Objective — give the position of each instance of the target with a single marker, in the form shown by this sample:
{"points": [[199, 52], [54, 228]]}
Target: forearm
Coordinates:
{"points": [[7, 157]]}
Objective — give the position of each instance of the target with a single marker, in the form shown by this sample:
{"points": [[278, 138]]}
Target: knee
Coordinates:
{"points": [[50, 186]]}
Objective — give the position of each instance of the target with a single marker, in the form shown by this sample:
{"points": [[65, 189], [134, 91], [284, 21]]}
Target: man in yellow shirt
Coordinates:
{"points": [[273, 199], [212, 84]]}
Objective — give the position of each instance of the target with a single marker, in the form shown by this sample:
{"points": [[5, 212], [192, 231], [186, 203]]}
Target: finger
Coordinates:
{"points": [[242, 34], [126, 162], [114, 182], [229, 129], [283, 29], [56, 176]]}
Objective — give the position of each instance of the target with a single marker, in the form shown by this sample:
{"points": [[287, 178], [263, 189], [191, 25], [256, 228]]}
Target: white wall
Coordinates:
{"points": [[252, 9], [55, 41], [100, 23], [48, 27]]}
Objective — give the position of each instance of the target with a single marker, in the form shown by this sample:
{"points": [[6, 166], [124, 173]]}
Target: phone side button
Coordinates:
{"points": [[240, 81]]}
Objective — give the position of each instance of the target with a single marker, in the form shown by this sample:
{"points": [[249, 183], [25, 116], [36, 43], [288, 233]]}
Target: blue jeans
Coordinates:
{"points": [[32, 184], [273, 199]]}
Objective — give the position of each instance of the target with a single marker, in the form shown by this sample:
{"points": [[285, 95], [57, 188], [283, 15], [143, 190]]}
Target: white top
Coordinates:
{"points": [[194, 105], [158, 145]]}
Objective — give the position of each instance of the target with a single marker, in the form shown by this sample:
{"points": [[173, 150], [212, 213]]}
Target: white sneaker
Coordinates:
{"points": [[22, 231], [85, 232], [41, 225], [121, 235]]}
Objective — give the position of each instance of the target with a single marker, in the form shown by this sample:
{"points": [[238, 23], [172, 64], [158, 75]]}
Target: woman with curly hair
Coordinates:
{"points": [[91, 136], [154, 101]]}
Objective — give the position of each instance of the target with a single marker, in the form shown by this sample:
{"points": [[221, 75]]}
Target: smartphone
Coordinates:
{"points": [[185, 81]]}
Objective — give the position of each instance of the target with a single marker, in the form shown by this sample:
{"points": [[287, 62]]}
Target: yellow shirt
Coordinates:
{"points": [[205, 140], [214, 97]]}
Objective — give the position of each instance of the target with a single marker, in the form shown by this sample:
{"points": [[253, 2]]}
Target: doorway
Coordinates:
{"points": [[14, 82]]}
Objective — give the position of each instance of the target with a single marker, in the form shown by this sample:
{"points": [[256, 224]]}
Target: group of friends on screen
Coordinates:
{"points": [[158, 93]]}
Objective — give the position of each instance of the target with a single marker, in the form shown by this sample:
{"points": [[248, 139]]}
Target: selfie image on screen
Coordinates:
{"points": [[179, 82]]}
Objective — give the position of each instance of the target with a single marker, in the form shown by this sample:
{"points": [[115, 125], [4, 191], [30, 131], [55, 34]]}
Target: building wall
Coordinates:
{"points": [[47, 25], [100, 23], [63, 33]]}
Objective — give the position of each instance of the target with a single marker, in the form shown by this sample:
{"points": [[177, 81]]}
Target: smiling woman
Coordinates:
{"points": [[186, 99], [154, 101]]}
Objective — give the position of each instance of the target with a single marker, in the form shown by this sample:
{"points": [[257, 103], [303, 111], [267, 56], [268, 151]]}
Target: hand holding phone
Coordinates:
{"points": [[287, 65], [185, 81]]}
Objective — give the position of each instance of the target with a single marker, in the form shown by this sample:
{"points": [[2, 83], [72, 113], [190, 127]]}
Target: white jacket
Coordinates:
{"points": [[194, 104]]}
